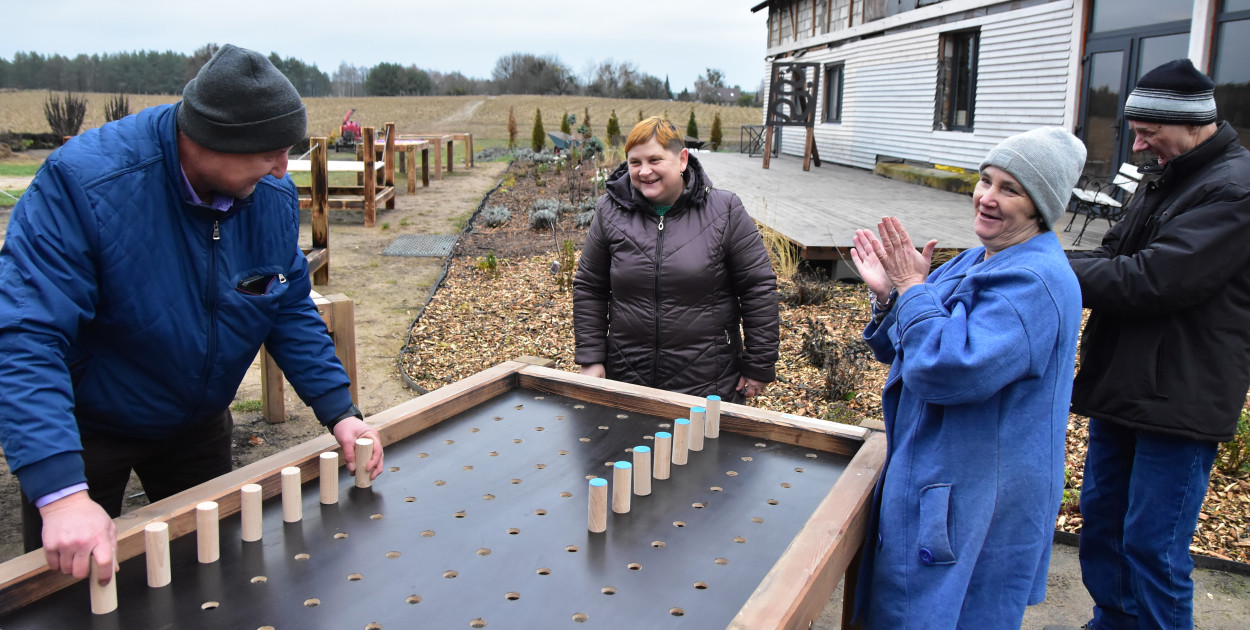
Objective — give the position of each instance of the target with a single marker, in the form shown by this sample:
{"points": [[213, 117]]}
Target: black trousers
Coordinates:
{"points": [[165, 467]]}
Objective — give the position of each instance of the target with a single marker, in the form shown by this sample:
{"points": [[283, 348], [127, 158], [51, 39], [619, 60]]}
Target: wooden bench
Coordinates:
{"points": [[339, 314], [408, 159], [365, 196]]}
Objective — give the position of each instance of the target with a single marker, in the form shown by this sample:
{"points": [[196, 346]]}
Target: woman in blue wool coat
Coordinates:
{"points": [[981, 356]]}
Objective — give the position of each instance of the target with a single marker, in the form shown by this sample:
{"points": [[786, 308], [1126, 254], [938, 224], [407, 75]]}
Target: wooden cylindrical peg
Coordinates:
{"points": [[622, 474], [364, 452], [292, 495], [681, 441], [208, 546], [597, 511], [103, 598], [251, 504], [697, 428], [329, 478], [663, 455], [711, 420], [156, 552], [642, 470]]}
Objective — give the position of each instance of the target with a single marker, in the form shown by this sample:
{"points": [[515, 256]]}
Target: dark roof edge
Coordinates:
{"points": [[759, 6]]}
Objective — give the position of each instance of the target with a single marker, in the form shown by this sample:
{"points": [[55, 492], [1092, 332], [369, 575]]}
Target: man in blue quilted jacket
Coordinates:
{"points": [[141, 272]]}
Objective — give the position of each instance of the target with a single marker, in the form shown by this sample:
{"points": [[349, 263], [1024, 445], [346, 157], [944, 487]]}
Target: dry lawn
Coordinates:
{"points": [[486, 117]]}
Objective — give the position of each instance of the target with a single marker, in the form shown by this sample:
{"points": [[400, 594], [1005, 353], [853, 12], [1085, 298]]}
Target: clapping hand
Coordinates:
{"points": [[896, 256]]}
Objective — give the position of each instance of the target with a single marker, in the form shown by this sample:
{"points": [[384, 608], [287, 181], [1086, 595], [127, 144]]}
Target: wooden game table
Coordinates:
{"points": [[480, 521]]}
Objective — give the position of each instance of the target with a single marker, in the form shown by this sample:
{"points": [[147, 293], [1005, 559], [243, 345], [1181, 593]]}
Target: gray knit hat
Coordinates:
{"points": [[1047, 161], [240, 103], [1175, 93]]}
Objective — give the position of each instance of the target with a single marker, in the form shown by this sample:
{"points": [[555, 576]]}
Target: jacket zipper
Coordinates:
{"points": [[655, 353], [212, 312]]}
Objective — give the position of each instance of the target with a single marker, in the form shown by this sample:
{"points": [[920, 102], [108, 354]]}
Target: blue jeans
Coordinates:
{"points": [[1140, 500]]}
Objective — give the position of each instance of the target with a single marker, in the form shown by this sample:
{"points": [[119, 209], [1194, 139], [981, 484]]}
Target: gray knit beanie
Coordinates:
{"points": [[1047, 161], [1175, 93], [240, 103]]}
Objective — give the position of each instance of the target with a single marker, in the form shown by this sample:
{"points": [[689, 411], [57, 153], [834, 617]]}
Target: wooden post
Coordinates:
{"points": [[663, 454], [712, 419], [340, 317], [364, 451], [103, 598], [251, 498], [388, 161], [273, 403], [597, 510], [329, 478], [438, 157], [370, 180], [697, 428], [768, 144], [156, 551], [292, 499], [320, 200], [642, 470], [410, 168], [469, 158], [621, 475], [425, 165], [681, 440], [208, 546]]}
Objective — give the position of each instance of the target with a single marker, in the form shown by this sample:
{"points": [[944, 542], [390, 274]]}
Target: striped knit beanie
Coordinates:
{"points": [[1175, 93]]}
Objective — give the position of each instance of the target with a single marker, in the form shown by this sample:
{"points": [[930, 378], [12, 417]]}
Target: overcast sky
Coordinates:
{"points": [[675, 38]]}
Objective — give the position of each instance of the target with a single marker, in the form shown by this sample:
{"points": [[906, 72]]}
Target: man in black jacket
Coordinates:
{"points": [[1165, 357]]}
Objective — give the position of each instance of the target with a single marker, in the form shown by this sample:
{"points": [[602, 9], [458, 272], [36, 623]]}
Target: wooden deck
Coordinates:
{"points": [[819, 210]]}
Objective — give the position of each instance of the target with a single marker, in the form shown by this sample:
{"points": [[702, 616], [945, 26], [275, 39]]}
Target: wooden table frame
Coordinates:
{"points": [[339, 313], [791, 595]]}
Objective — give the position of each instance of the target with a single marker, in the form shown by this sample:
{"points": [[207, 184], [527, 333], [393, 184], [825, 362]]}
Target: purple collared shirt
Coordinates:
{"points": [[220, 202]]}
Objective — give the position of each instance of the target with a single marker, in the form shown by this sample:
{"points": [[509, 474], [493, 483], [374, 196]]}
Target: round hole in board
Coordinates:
{"points": [[413, 599], [514, 481], [512, 596], [539, 429], [355, 577], [785, 485], [312, 602], [422, 455], [392, 554], [721, 561], [540, 466], [747, 458], [559, 417], [648, 437], [449, 442], [429, 533], [474, 430], [756, 519], [798, 470], [562, 452], [373, 625], [676, 612], [571, 548], [538, 398], [565, 495], [702, 586], [340, 536], [622, 416], [732, 473], [376, 517], [394, 468], [679, 523], [209, 605], [581, 617], [666, 425], [604, 427], [498, 418], [302, 556], [460, 514], [493, 453], [512, 531], [812, 456], [717, 489], [488, 497], [466, 468], [440, 482], [540, 512], [585, 439], [658, 544], [265, 628], [608, 590], [260, 579], [519, 407], [544, 571], [483, 552], [760, 445], [579, 406], [518, 441], [451, 574], [410, 499], [698, 505], [740, 540], [634, 566], [773, 502]]}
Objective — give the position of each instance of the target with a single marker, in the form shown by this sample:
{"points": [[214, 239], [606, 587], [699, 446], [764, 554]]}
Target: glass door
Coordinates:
{"points": [[1100, 121]]}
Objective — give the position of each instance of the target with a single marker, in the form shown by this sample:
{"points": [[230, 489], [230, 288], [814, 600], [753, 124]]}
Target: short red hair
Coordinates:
{"points": [[659, 128]]}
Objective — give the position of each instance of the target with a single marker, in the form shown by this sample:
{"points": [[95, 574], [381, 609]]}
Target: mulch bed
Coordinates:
{"points": [[481, 316]]}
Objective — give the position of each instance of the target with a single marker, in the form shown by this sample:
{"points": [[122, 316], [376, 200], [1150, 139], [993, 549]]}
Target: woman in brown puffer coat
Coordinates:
{"points": [[674, 288]]}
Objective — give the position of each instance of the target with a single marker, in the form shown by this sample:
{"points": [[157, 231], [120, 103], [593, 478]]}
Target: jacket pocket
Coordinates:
{"points": [[934, 541]]}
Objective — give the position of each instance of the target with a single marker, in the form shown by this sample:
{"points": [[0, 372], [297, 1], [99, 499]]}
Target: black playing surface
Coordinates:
{"points": [[480, 522]]}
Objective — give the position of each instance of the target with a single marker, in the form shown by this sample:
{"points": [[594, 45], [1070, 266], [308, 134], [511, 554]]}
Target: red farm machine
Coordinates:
{"points": [[349, 134]]}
